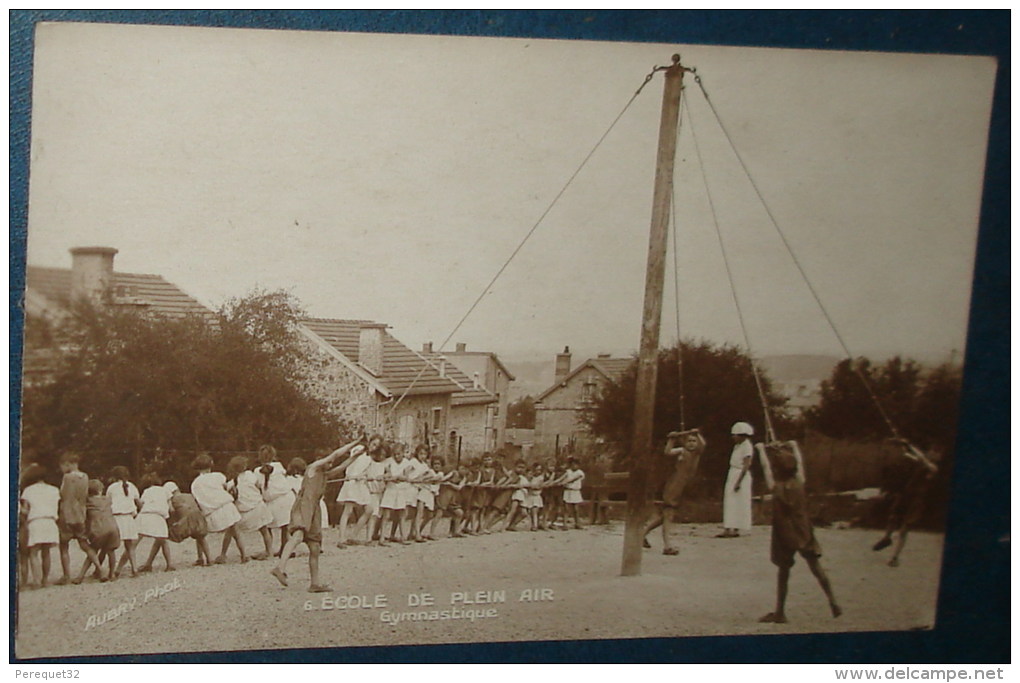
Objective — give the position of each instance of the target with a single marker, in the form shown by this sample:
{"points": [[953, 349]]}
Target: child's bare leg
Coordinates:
{"points": [[314, 586], [667, 532], [89, 552], [224, 547], [240, 544], [147, 566], [280, 570], [782, 585], [202, 551], [345, 514], [45, 550], [267, 541], [164, 544], [510, 516], [901, 540], [654, 522], [65, 561], [35, 562], [823, 581]]}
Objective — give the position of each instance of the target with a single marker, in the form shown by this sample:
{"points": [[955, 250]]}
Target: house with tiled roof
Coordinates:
{"points": [[49, 293], [472, 428], [486, 369], [369, 377], [559, 410]]}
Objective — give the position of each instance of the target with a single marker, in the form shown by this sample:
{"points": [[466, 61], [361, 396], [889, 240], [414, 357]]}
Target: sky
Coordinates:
{"points": [[388, 177]]}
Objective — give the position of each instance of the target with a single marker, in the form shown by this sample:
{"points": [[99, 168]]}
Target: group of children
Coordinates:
{"points": [[388, 494], [381, 484], [403, 497], [251, 496]]}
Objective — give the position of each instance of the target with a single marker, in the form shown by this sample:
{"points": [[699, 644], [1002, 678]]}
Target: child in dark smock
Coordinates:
{"points": [[101, 531], [187, 521], [306, 516], [792, 532]]}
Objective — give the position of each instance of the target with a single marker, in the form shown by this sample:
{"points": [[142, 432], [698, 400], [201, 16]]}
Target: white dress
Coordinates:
{"points": [[737, 504], [42, 500], [355, 490], [254, 512], [124, 509], [572, 490], [278, 495], [154, 513], [210, 492]]}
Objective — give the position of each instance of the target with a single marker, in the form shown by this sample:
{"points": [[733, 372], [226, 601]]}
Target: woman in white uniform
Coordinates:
{"points": [[737, 494]]}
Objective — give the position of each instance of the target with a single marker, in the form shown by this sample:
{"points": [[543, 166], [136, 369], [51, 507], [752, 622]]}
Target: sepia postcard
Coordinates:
{"points": [[332, 339]]}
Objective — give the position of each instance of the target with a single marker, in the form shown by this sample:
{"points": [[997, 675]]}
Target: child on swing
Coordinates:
{"points": [[791, 527], [306, 515], [907, 498]]}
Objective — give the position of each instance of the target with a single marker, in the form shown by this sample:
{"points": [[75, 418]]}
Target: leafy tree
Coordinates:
{"points": [[922, 406], [130, 385], [718, 390], [520, 414]]}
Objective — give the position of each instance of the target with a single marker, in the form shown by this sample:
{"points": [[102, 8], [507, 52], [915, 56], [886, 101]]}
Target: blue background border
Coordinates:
{"points": [[973, 616]]}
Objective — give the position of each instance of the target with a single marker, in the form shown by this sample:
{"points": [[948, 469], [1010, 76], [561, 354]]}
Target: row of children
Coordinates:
{"points": [[102, 519], [415, 493]]}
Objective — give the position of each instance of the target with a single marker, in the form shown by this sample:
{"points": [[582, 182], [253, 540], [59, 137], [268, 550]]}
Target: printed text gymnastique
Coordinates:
{"points": [[355, 601]]}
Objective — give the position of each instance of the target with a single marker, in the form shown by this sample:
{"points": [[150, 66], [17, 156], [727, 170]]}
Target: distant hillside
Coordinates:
{"points": [[532, 377], [798, 367], [535, 376]]}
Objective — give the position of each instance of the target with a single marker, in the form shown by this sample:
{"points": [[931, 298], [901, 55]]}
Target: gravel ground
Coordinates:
{"points": [[714, 587]]}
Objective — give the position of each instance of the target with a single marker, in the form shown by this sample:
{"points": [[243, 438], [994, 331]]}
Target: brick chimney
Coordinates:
{"points": [[370, 347], [426, 347], [562, 365], [442, 366], [92, 273], [461, 347]]}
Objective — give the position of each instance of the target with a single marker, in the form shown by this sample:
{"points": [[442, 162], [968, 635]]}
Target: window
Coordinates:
{"points": [[437, 419], [588, 391], [405, 432]]}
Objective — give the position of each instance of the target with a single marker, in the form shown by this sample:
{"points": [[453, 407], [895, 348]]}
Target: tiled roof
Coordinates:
{"points": [[152, 291], [611, 368], [469, 393], [403, 370]]}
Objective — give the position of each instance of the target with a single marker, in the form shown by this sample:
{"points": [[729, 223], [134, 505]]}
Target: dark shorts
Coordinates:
{"points": [[308, 523], [784, 556], [481, 499], [447, 502], [69, 532], [501, 501]]}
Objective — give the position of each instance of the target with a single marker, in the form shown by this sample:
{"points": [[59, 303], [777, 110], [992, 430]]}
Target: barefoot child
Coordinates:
{"points": [[101, 531], [687, 455], [791, 527], [41, 501], [573, 479], [276, 491], [306, 516], [447, 500], [369, 523], [519, 498], [535, 484], [210, 491], [255, 515], [152, 518], [354, 495], [125, 500], [187, 521], [907, 497], [74, 493], [395, 497]]}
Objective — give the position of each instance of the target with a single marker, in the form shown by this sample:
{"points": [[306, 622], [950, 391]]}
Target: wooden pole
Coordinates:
{"points": [[644, 398]]}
